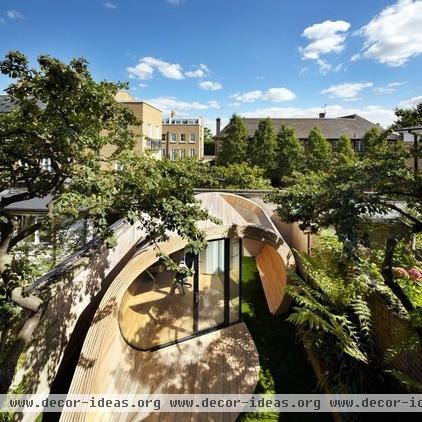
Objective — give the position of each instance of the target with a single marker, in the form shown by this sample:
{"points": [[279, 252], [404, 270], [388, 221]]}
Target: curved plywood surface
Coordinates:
{"points": [[108, 364]]}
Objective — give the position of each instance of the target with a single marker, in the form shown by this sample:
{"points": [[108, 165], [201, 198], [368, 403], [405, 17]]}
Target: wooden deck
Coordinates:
{"points": [[221, 362]]}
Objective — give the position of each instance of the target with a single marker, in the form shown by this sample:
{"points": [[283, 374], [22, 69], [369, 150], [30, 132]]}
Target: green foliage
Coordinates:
{"points": [[290, 153], [345, 155], [234, 146], [318, 151], [262, 147], [209, 143], [333, 317], [240, 176], [374, 141], [408, 117]]}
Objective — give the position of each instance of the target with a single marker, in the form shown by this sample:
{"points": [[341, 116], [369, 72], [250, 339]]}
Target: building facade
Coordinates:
{"points": [[352, 125], [182, 138], [148, 135]]}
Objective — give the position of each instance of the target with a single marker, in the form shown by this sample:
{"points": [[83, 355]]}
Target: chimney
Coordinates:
{"points": [[218, 126], [173, 114], [322, 115]]}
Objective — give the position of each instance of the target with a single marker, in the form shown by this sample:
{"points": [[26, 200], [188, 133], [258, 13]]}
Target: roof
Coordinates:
{"points": [[34, 205], [6, 106], [124, 96], [354, 126]]}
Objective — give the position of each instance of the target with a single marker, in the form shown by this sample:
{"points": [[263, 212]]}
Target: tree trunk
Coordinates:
{"points": [[11, 359], [387, 273]]}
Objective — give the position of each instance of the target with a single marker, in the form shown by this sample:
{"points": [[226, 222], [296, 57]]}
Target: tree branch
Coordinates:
{"points": [[23, 234], [8, 200]]}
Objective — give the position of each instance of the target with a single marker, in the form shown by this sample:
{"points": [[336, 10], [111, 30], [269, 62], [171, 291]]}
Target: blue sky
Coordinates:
{"points": [[212, 58]]}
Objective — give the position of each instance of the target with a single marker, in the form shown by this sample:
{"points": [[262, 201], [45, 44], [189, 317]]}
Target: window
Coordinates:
{"points": [[173, 154], [182, 153], [182, 137], [173, 138], [192, 139], [163, 153], [192, 152], [171, 306], [46, 164], [359, 147], [163, 137], [118, 166]]}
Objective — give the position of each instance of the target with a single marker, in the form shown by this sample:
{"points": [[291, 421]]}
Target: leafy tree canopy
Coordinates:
{"points": [[408, 117], [262, 147], [290, 153], [345, 153], [318, 151], [234, 146]]}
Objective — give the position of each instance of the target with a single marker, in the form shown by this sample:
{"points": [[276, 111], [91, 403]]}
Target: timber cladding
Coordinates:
{"points": [[389, 330]]}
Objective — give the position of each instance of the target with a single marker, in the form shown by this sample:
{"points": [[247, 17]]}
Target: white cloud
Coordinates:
{"points": [[142, 85], [373, 113], [168, 104], [175, 2], [14, 14], [347, 90], [395, 35], [210, 85], [411, 102], [326, 37], [148, 65], [388, 89], [110, 5], [273, 94], [198, 73]]}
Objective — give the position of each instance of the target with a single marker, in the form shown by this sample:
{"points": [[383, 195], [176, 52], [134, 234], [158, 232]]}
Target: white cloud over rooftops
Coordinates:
{"points": [[347, 90], [273, 94], [148, 65], [393, 36]]}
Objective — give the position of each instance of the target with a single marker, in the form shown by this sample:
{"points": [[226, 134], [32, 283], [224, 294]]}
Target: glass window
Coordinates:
{"points": [[192, 138], [182, 137], [173, 138], [192, 152], [163, 137], [234, 288], [211, 285], [158, 308], [183, 153], [163, 152], [173, 154]]}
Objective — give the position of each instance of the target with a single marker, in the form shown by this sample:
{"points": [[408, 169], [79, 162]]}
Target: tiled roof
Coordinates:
{"points": [[6, 105], [332, 128]]}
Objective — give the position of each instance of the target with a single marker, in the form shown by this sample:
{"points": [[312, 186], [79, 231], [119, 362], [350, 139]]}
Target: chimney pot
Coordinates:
{"points": [[218, 126]]}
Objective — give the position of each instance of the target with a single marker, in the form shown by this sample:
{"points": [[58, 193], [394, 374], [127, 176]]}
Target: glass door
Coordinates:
{"points": [[210, 294], [217, 285]]}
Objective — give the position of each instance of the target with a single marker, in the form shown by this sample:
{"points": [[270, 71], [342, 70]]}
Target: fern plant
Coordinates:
{"points": [[333, 317]]}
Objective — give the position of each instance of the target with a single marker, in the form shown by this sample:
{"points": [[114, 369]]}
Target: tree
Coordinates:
{"points": [[345, 154], [318, 151], [62, 116], [262, 147], [209, 143], [290, 153], [234, 146], [339, 198], [408, 117], [374, 140]]}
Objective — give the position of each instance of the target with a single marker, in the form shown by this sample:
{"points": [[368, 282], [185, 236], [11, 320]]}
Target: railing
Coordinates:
{"points": [[154, 144]]}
